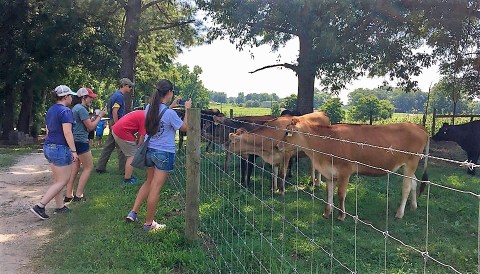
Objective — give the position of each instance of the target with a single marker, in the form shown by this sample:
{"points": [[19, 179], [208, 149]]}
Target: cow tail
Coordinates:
{"points": [[425, 163]]}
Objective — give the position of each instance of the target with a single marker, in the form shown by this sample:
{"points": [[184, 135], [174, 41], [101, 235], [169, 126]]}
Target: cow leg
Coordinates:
{"points": [[290, 164], [413, 194], [275, 179], [342, 194], [406, 188], [208, 146], [330, 185], [181, 134], [225, 163], [315, 179]]}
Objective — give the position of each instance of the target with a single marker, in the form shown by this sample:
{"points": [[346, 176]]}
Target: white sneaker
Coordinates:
{"points": [[153, 226]]}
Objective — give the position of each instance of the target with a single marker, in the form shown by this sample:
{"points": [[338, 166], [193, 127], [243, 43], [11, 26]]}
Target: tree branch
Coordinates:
{"points": [[168, 26], [273, 28], [286, 65], [148, 5]]}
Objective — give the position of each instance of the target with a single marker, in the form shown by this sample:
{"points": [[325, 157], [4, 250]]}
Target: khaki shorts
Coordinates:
{"points": [[128, 147]]}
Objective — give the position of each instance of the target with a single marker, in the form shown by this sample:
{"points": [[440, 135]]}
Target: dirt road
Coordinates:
{"points": [[21, 233]]}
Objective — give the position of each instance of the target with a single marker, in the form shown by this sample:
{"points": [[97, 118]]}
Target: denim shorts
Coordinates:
{"points": [[162, 160], [82, 148], [58, 155]]}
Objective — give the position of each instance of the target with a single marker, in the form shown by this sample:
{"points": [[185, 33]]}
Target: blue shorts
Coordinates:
{"points": [[162, 160], [82, 147], [58, 155]]}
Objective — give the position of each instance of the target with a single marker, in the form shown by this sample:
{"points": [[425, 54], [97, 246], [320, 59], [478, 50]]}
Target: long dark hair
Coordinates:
{"points": [[152, 121]]}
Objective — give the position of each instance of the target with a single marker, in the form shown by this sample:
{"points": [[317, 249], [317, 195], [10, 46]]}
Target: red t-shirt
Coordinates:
{"points": [[127, 126]]}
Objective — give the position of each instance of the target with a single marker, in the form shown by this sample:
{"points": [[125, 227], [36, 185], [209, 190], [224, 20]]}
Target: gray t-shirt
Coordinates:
{"points": [[80, 132]]}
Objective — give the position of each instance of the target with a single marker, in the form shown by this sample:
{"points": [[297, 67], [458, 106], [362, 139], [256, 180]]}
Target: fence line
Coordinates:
{"points": [[236, 203]]}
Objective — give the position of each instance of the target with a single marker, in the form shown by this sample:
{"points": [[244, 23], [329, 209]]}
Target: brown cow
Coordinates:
{"points": [[337, 160], [263, 141]]}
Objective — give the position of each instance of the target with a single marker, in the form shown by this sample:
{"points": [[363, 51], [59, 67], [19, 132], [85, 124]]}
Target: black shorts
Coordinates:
{"points": [[82, 147]]}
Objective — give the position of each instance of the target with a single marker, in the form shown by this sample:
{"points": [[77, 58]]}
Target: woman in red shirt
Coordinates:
{"points": [[129, 132]]}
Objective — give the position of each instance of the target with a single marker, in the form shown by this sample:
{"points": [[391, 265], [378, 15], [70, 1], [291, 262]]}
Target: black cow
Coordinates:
{"points": [[466, 135], [206, 118]]}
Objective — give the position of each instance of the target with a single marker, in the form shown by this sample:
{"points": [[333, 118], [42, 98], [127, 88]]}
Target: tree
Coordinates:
{"points": [[452, 29], [333, 107], [240, 98], [320, 98], [41, 41], [372, 109], [219, 97], [289, 102], [338, 40], [145, 18], [276, 109]]}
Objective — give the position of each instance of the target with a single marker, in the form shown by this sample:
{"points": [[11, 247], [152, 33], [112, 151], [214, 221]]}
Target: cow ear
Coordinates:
{"points": [[231, 136]]}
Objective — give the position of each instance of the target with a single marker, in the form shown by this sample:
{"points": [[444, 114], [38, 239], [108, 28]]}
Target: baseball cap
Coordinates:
{"points": [[86, 91], [126, 81], [63, 90]]}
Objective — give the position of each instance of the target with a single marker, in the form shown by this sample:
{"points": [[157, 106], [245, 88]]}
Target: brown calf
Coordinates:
{"points": [[263, 141]]}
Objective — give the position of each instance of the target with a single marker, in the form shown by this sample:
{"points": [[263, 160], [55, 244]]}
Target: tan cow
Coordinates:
{"points": [[370, 150], [263, 141]]}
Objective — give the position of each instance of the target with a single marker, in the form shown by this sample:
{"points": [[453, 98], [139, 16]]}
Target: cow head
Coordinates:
{"points": [[444, 133]]}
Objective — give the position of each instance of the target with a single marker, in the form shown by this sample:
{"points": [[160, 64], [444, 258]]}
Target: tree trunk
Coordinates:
{"points": [[129, 46], [25, 115], [7, 124], [306, 75]]}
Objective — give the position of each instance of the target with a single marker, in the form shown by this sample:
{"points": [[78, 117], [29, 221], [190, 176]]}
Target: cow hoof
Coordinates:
{"points": [[341, 217], [471, 171], [398, 216]]}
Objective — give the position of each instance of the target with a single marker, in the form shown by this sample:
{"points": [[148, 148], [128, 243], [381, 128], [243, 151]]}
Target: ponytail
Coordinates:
{"points": [[152, 120]]}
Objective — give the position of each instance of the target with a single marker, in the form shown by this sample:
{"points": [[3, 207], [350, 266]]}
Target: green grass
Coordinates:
{"points": [[261, 228], [10, 155], [94, 237], [241, 111]]}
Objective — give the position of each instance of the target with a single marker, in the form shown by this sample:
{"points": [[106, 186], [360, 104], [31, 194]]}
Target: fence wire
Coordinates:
{"points": [[250, 229]]}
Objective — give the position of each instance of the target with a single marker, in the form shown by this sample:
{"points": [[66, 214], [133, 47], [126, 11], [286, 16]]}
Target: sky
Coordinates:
{"points": [[225, 69]]}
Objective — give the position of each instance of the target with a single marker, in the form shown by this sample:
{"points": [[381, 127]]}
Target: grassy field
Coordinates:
{"points": [[251, 230]]}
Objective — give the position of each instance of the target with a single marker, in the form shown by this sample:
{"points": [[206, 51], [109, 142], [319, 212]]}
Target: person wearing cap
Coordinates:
{"points": [[116, 109], [83, 125], [59, 149]]}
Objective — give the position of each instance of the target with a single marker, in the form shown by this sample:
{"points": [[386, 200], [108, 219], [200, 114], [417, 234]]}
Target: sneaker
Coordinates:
{"points": [[79, 199], [67, 199], [62, 210], [39, 212], [130, 181], [153, 226], [131, 217], [100, 170]]}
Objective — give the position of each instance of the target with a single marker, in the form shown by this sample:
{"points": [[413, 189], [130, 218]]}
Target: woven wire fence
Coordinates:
{"points": [[250, 229]]}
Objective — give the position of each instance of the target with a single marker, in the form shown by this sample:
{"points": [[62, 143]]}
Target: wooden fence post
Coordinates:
{"points": [[192, 199], [433, 120], [231, 113]]}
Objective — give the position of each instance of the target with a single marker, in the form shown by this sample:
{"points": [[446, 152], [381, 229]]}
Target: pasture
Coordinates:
{"points": [[287, 234]]}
